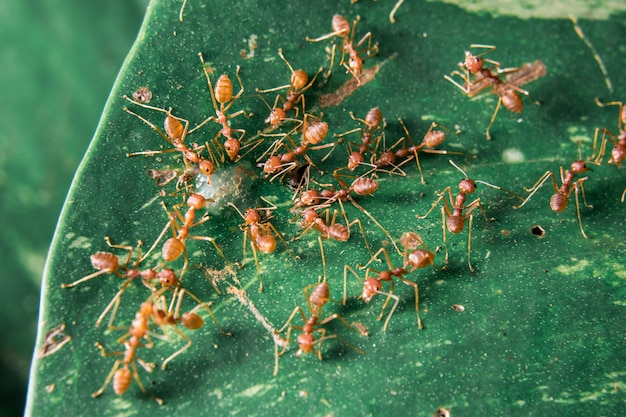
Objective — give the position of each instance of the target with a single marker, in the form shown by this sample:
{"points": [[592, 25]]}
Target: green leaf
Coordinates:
{"points": [[541, 330]]}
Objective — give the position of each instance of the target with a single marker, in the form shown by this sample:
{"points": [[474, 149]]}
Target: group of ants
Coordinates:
{"points": [[319, 207]]}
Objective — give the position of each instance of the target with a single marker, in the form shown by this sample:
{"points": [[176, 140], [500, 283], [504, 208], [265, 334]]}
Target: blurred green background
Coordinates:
{"points": [[58, 60]]}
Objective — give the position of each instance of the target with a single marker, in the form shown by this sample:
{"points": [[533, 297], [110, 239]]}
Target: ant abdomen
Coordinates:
{"points": [[421, 258], [434, 138], [558, 202], [455, 224], [121, 380], [364, 186], [266, 243], [512, 101], [174, 128], [341, 26], [192, 321], [172, 249], [105, 261], [223, 89]]}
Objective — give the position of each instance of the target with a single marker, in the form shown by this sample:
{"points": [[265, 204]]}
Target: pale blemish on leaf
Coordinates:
{"points": [[513, 156], [573, 267], [81, 242], [255, 390], [540, 9]]}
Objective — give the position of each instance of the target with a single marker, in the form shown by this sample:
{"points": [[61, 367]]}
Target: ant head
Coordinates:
{"points": [[309, 215], [206, 166], [355, 65], [579, 167], [276, 117], [473, 63], [370, 287], [168, 278], [272, 165], [252, 216], [354, 160], [467, 186], [196, 201], [232, 147]]}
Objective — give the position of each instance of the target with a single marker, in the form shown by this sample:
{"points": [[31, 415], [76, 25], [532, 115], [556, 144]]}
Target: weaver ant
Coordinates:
{"points": [[262, 235], [507, 91], [120, 373], [457, 211], [223, 94], [176, 130], [176, 245], [341, 28], [619, 149], [431, 139], [277, 164], [298, 84], [307, 341], [373, 124], [560, 198], [372, 284]]}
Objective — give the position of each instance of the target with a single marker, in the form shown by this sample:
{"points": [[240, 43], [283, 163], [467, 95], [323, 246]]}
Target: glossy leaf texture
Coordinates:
{"points": [[541, 331]]}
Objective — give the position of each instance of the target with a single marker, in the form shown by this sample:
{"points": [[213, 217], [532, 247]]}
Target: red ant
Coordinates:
{"points": [[223, 94], [298, 84], [176, 130], [313, 133], [329, 229], [431, 139], [307, 341], [619, 150], [171, 316], [341, 28], [372, 285], [361, 186], [262, 235], [176, 245], [120, 373], [374, 123], [561, 195], [457, 211], [506, 91]]}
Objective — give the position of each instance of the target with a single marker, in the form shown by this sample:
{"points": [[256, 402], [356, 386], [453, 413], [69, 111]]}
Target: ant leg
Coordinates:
{"points": [[395, 304], [493, 118], [579, 184], [532, 190], [469, 242], [417, 297], [109, 377], [179, 351], [347, 268]]}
